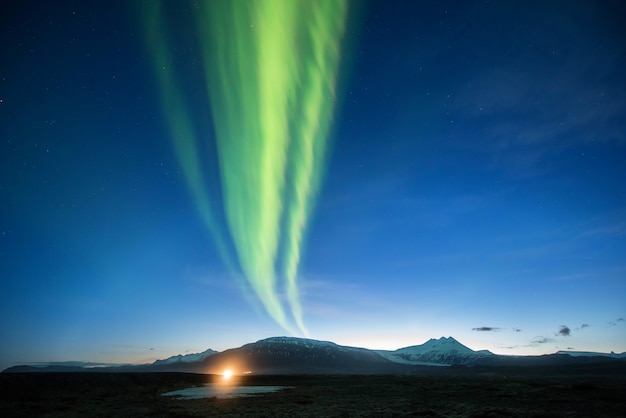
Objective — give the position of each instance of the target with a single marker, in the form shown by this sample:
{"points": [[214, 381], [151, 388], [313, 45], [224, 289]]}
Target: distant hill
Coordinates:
{"points": [[187, 358]]}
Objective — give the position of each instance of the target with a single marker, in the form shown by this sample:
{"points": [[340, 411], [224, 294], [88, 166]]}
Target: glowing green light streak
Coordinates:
{"points": [[270, 72], [179, 122], [318, 72], [250, 123]]}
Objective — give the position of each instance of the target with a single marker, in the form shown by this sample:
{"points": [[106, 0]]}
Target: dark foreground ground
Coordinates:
{"points": [[477, 394]]}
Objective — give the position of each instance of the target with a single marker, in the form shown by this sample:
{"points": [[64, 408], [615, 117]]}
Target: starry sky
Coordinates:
{"points": [[471, 183]]}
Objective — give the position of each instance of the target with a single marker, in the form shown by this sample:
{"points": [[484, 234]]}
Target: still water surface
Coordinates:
{"points": [[210, 390]]}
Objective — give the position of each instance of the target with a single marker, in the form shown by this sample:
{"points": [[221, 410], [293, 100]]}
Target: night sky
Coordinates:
{"points": [[468, 180]]}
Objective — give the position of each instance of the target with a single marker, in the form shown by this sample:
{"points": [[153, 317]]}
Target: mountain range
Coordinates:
{"points": [[289, 355]]}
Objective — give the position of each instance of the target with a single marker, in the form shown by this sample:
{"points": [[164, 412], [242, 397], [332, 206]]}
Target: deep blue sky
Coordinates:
{"points": [[475, 183]]}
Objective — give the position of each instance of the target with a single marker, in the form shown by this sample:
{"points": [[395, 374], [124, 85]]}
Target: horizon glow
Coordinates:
{"points": [[270, 74]]}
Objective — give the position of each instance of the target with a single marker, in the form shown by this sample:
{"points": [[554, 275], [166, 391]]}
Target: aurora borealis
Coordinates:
{"points": [[270, 73], [184, 175]]}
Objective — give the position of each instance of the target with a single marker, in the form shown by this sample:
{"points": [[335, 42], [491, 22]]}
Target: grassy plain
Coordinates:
{"points": [[475, 393]]}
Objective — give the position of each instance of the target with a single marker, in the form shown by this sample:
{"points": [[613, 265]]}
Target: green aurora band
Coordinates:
{"points": [[270, 73]]}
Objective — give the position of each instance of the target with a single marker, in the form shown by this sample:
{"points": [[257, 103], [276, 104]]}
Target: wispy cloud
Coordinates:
{"points": [[575, 276], [616, 229], [541, 340], [84, 364], [481, 329], [326, 297], [575, 102]]}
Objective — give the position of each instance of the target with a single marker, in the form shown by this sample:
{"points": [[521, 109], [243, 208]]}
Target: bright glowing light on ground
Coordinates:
{"points": [[227, 374]]}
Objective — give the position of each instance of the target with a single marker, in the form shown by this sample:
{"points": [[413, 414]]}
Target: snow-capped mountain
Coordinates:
{"points": [[187, 358], [441, 352]]}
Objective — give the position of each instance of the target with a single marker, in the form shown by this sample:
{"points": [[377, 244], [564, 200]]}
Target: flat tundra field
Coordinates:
{"points": [[140, 395]]}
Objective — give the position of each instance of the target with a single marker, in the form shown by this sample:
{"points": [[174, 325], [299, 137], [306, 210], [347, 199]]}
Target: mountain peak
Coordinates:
{"points": [[444, 339]]}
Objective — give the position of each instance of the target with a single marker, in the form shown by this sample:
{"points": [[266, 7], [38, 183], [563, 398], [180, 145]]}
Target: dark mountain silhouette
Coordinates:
{"points": [[287, 355]]}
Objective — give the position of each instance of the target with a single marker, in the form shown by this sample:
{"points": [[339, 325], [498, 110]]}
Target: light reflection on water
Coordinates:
{"points": [[210, 390]]}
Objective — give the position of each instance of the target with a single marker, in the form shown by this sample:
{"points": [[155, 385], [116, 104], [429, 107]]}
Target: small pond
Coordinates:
{"points": [[210, 390]]}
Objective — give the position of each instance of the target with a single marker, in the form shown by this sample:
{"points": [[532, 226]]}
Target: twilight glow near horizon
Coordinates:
{"points": [[177, 176]]}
